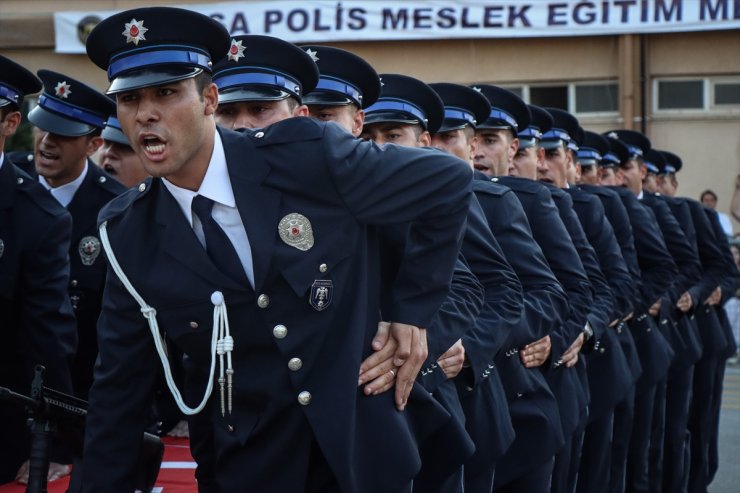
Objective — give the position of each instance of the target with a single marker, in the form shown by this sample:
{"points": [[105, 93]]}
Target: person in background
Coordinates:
{"points": [[709, 199]]}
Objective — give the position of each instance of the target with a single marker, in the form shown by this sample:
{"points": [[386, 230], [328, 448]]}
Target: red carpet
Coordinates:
{"points": [[175, 476]]}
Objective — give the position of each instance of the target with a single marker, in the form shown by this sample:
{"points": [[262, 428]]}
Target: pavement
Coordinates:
{"points": [[727, 479]]}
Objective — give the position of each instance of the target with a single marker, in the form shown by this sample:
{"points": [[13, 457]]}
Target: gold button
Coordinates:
{"points": [[193, 324], [295, 364], [280, 331], [263, 301], [304, 398], [142, 187], [323, 268]]}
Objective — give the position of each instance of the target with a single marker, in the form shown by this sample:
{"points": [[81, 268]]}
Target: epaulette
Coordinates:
{"points": [[523, 185], [124, 201], [105, 181], [20, 157], [490, 188], [27, 185]]}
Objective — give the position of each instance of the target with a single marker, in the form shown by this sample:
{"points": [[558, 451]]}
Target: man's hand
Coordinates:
{"points": [[685, 302], [536, 353], [451, 362], [56, 471], [400, 351], [655, 309], [715, 297], [570, 357]]}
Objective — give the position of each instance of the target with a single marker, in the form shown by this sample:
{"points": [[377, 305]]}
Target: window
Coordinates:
{"points": [[719, 93], [549, 96], [597, 98], [580, 98]]}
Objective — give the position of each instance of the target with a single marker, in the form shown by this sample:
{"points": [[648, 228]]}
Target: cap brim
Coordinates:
{"points": [[391, 117], [53, 123], [326, 98], [527, 143], [552, 144], [114, 135], [148, 77], [450, 125], [252, 93]]}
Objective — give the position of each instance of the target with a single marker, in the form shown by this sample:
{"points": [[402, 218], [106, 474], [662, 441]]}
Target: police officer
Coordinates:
{"points": [[38, 323], [496, 145], [68, 122], [296, 276], [117, 158], [406, 113]]}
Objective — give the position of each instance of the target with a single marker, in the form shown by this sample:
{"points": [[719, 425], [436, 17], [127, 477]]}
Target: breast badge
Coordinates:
{"points": [[89, 249], [295, 230], [322, 291]]}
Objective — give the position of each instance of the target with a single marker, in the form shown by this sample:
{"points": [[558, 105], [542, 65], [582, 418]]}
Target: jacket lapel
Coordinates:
{"points": [[258, 205], [179, 241]]}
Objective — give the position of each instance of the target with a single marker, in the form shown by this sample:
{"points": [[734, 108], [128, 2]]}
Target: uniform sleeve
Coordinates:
{"points": [[429, 189], [710, 255], [50, 330], [502, 308], [121, 395]]}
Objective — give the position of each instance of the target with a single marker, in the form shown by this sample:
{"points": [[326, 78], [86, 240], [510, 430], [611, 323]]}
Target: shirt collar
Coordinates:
{"points": [[65, 193], [2, 158], [640, 195], [216, 184]]}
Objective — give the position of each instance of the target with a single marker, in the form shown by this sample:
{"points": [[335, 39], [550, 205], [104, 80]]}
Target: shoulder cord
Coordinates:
{"points": [[221, 341]]}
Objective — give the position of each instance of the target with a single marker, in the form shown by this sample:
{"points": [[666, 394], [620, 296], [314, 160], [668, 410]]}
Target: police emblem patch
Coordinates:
{"points": [[322, 291], [89, 249], [134, 31], [295, 230], [236, 51]]}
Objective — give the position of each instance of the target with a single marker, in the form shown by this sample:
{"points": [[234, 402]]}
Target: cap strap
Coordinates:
{"points": [[341, 86], [158, 57], [69, 110], [10, 93], [530, 132], [669, 169], [587, 153], [237, 79], [458, 114], [499, 114], [392, 105]]}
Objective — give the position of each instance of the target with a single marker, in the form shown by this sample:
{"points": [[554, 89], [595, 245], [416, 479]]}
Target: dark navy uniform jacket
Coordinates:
{"points": [[609, 372], [37, 323], [88, 266], [341, 186], [657, 272], [534, 410]]}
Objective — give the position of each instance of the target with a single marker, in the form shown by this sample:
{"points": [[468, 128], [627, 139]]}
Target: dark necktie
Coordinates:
{"points": [[218, 246]]}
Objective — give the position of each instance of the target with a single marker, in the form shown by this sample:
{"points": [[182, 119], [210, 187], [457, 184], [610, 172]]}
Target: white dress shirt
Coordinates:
{"points": [[216, 186], [65, 193]]}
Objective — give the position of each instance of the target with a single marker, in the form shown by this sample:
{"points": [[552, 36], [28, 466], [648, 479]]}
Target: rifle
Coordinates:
{"points": [[55, 413]]}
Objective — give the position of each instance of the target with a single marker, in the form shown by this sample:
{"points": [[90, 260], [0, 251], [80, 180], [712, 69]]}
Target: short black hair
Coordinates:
{"points": [[202, 80], [708, 192]]}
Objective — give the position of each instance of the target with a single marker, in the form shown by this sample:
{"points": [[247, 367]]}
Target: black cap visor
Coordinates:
{"points": [[114, 135], [392, 117], [152, 77], [251, 93], [326, 98], [553, 144], [53, 123]]}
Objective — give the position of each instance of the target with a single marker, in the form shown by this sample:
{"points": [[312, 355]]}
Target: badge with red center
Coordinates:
{"points": [[236, 51], [295, 230], [62, 89], [134, 31], [89, 249]]}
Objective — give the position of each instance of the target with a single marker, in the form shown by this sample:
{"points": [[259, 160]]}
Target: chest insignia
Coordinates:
{"points": [[295, 230], [89, 249], [322, 291]]}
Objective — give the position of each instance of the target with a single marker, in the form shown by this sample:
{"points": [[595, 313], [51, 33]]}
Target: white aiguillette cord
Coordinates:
{"points": [[221, 341]]}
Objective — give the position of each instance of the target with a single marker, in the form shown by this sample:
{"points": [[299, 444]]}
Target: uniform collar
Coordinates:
{"points": [[216, 184], [641, 195], [65, 193], [2, 158]]}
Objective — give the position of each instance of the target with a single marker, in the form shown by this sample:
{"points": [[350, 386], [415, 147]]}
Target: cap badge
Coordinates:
{"points": [[62, 89], [477, 89], [613, 135], [381, 81], [312, 54], [295, 230], [236, 51], [322, 291], [134, 31], [89, 249]]}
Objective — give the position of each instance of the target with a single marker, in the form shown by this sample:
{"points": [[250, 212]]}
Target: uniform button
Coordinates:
{"points": [[304, 398], [259, 135], [323, 268], [519, 394], [601, 350], [231, 428], [263, 301], [20, 181], [193, 324], [280, 331], [142, 187], [73, 283], [29, 158], [494, 179], [295, 364], [102, 179]]}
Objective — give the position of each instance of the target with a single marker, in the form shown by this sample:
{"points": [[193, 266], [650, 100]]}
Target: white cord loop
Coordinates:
{"points": [[222, 344]]}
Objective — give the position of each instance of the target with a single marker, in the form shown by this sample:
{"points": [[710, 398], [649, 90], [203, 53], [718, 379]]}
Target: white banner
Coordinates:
{"points": [[354, 20]]}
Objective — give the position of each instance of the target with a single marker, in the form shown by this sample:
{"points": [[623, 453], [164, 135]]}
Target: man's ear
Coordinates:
{"points": [[358, 121], [10, 123], [301, 110], [210, 97], [93, 144], [425, 139]]}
